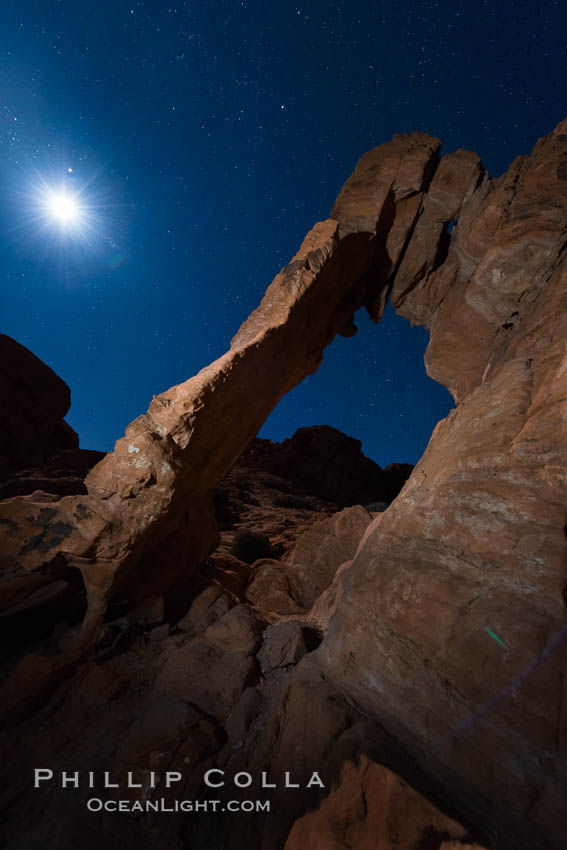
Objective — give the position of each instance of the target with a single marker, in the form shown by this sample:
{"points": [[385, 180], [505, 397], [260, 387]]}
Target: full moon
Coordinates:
{"points": [[64, 208]]}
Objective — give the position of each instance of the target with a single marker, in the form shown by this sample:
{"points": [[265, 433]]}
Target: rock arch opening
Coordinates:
{"points": [[372, 387]]}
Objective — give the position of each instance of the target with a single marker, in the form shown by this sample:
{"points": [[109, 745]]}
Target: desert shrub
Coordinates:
{"points": [[289, 501], [249, 546]]}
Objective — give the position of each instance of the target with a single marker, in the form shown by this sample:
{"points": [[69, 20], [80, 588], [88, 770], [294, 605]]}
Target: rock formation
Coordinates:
{"points": [[461, 587], [150, 501], [34, 401], [274, 493], [443, 652], [323, 462]]}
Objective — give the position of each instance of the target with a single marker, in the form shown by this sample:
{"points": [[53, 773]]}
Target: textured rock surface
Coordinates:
{"points": [[319, 551], [283, 645], [444, 656], [190, 704], [62, 474], [372, 809], [278, 490], [270, 589], [294, 584], [460, 588], [213, 670]]}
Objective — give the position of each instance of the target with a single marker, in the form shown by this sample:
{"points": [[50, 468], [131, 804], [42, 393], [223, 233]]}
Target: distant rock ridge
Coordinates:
{"points": [[324, 462], [438, 649]]}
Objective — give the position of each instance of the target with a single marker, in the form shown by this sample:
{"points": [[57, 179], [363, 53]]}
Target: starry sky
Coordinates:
{"points": [[203, 140]]}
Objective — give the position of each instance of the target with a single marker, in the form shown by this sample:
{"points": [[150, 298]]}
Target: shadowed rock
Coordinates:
{"points": [[33, 402]]}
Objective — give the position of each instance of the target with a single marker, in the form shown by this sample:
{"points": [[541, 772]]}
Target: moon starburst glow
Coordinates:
{"points": [[64, 208], [68, 211]]}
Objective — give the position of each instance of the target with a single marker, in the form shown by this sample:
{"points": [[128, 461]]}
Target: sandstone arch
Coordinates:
{"points": [[474, 544], [149, 500]]}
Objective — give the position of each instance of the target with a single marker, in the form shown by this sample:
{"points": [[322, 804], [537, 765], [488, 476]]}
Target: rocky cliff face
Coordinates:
{"points": [[435, 644], [323, 462], [461, 585]]}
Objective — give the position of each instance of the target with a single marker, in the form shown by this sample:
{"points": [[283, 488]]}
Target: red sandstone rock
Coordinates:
{"points": [[424, 277], [321, 461], [370, 808], [205, 610], [319, 551], [150, 499], [62, 474], [283, 645], [293, 585], [270, 589], [213, 670], [444, 656], [248, 708], [460, 587]]}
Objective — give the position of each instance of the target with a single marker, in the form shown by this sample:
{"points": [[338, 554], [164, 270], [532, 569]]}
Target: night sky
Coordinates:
{"points": [[204, 140]]}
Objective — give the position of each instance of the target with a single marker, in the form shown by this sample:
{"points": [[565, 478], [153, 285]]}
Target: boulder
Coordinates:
{"points": [[370, 808], [205, 610], [270, 589], [319, 552], [283, 645], [212, 670]]}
